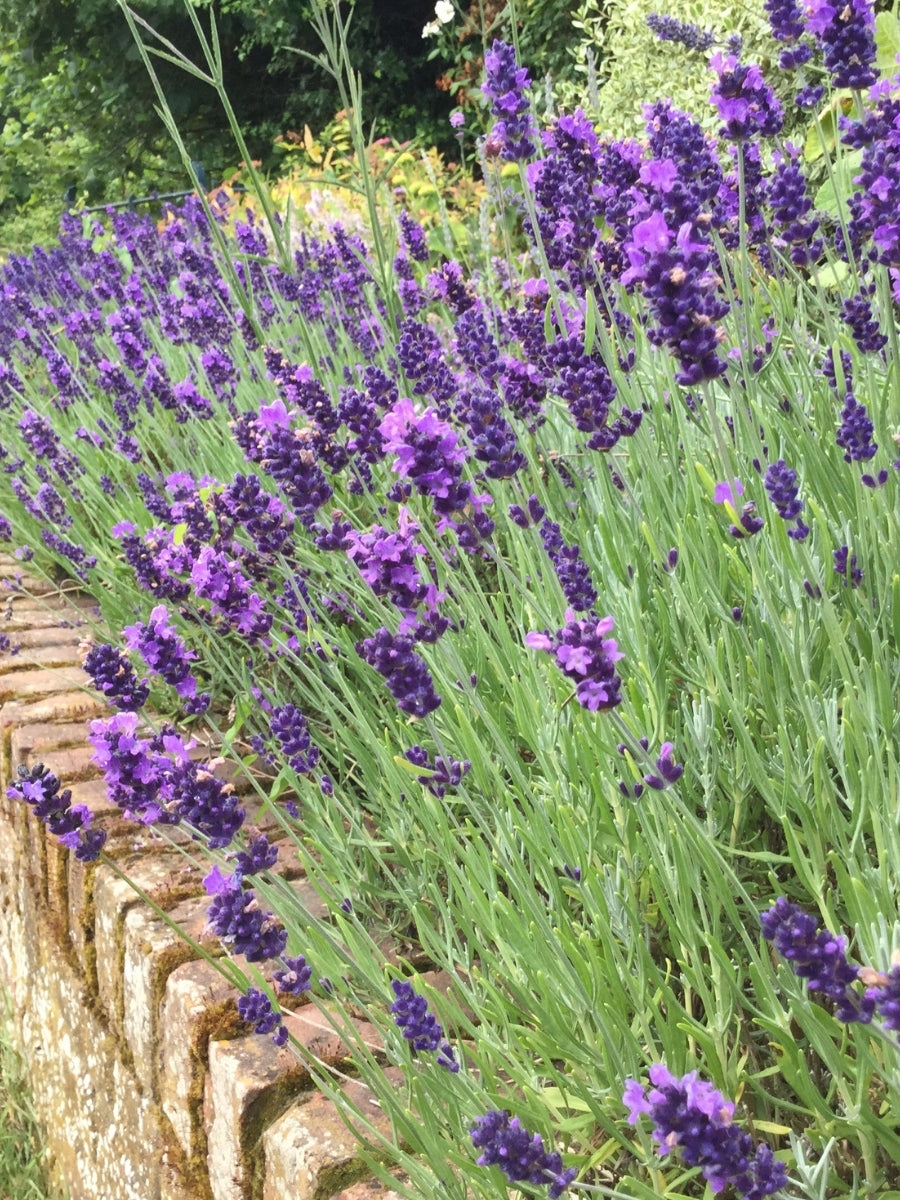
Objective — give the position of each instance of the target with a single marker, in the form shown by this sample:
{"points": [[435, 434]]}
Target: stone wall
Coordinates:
{"points": [[143, 1077]]}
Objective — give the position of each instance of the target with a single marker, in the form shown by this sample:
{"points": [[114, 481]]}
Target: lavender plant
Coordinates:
{"points": [[329, 511]]}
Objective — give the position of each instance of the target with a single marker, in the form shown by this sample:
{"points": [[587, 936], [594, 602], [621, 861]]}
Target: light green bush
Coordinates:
{"points": [[635, 68]]}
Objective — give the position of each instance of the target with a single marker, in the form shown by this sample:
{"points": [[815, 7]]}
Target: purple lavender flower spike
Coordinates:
{"points": [[677, 271], [413, 237], [505, 86], [684, 33], [817, 956], [783, 490], [294, 976], [791, 205], [520, 1155], [256, 1009], [587, 656], [194, 795], [855, 433], [883, 991], [291, 729], [690, 1115], [845, 565], [420, 1027], [442, 774], [113, 675], [235, 917], [785, 19], [163, 651], [258, 856], [668, 771], [40, 789], [846, 34], [572, 571], [405, 672], [747, 105]]}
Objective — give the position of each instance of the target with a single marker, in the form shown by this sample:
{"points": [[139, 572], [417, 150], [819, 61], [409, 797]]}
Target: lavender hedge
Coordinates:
{"points": [[549, 594]]}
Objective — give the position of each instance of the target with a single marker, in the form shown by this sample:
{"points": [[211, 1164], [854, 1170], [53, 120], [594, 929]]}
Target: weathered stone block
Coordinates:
{"points": [[52, 635], [80, 878], [62, 706], [40, 681], [29, 742], [152, 950], [198, 1004], [250, 1082], [113, 898], [60, 654], [310, 1152], [70, 764]]}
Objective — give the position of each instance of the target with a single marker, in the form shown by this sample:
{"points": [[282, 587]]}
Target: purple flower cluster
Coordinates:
{"points": [[288, 455], [564, 184], [587, 656], [854, 435], [883, 991], [668, 771], [153, 779], [727, 493], [746, 104], [405, 672], [856, 312], [428, 453], [679, 280], [846, 35], [690, 1115], [220, 580], [692, 37], [255, 1007], [845, 565], [245, 505], [293, 976], [39, 788], [163, 651], [413, 237], [818, 956], [505, 1143], [791, 205], [875, 199], [491, 436], [130, 766], [195, 796], [291, 730], [235, 917], [427, 449], [443, 773], [572, 571], [112, 674], [785, 20], [505, 86], [420, 1027], [258, 855], [387, 562], [783, 490]]}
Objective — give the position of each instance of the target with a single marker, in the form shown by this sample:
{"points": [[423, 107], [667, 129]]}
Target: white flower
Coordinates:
{"points": [[431, 29], [444, 11]]}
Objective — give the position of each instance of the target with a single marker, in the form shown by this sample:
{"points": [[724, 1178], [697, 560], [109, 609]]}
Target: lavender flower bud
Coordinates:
{"points": [[419, 1026], [520, 1155], [692, 1116], [817, 956]]}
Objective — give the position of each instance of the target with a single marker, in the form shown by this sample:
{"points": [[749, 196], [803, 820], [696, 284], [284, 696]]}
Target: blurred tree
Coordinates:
{"points": [[77, 108]]}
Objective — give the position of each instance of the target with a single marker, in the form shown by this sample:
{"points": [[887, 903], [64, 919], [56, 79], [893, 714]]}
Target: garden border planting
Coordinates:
{"points": [[142, 1077]]}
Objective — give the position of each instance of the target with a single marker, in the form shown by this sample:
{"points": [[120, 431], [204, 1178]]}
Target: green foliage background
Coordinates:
{"points": [[77, 108]]}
